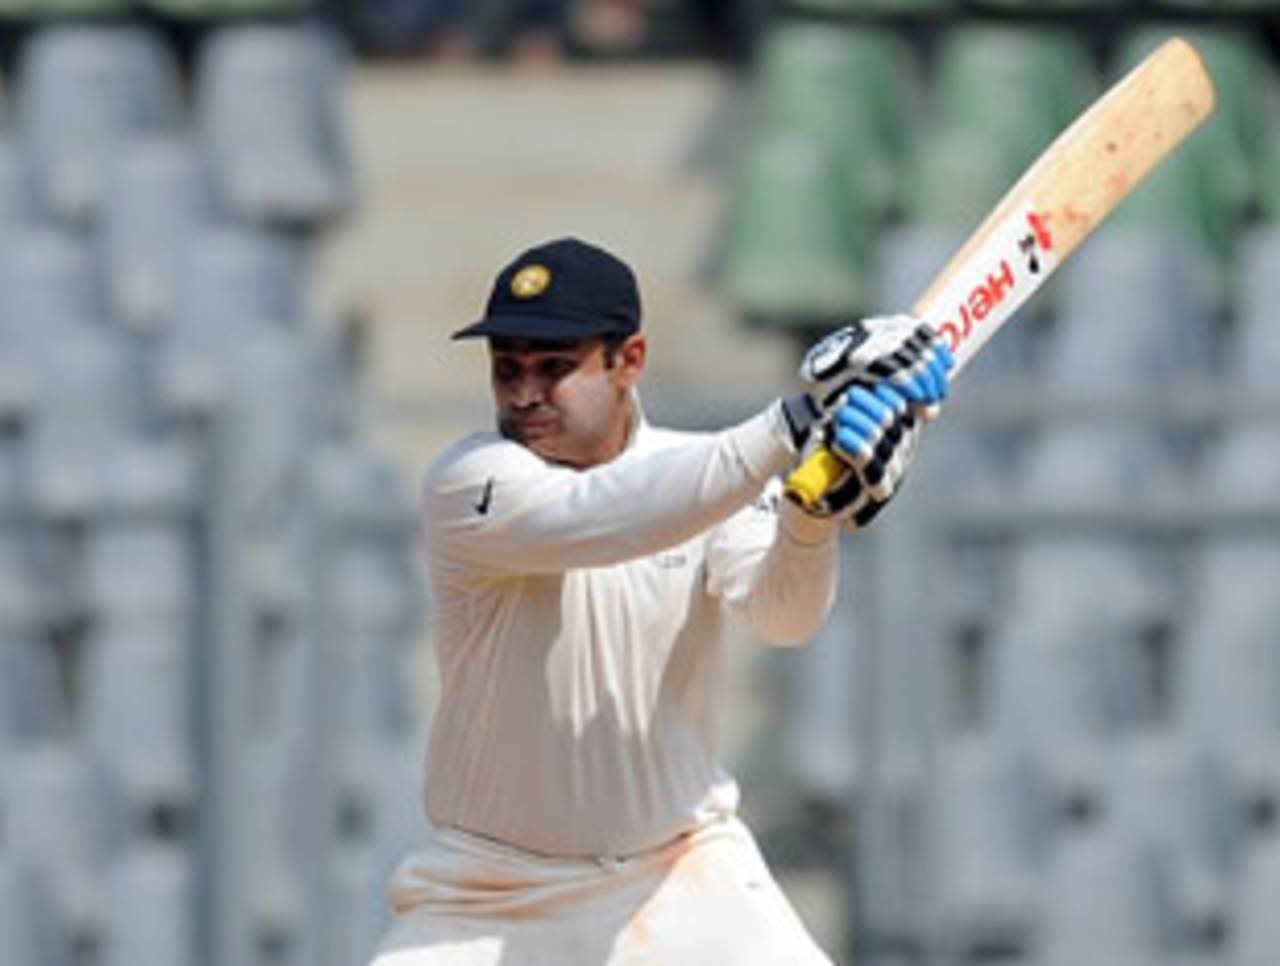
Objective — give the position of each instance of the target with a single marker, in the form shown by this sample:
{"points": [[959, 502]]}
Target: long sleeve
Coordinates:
{"points": [[494, 507], [777, 567]]}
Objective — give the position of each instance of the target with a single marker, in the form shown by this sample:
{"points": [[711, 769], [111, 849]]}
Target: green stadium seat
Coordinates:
{"points": [[1217, 6], [63, 9], [1040, 6], [799, 243], [854, 89], [1017, 85], [1269, 199], [872, 6], [228, 9], [956, 177]]}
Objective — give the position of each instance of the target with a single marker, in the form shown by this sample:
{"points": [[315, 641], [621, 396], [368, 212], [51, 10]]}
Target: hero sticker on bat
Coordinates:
{"points": [[1010, 265]]}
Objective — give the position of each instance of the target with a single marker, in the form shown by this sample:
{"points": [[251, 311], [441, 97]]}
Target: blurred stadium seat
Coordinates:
{"points": [[1253, 349], [983, 826], [40, 10], [137, 711], [150, 906], [1057, 690], [17, 202], [269, 114], [1255, 937], [32, 704], [1083, 465], [81, 92], [58, 831], [1015, 86], [799, 246], [139, 564], [158, 196], [854, 89], [1099, 904], [222, 10], [953, 178], [1228, 686], [1238, 469], [1040, 6], [231, 282], [1132, 309], [1162, 797], [50, 280], [873, 6]]}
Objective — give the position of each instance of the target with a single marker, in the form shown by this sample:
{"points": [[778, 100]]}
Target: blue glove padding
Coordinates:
{"points": [[874, 476], [898, 349], [875, 429]]}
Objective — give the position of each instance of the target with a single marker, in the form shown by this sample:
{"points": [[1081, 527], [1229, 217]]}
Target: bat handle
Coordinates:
{"points": [[814, 477]]}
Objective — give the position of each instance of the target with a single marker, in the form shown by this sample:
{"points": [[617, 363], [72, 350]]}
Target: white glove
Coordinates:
{"points": [[874, 385], [876, 434], [899, 349]]}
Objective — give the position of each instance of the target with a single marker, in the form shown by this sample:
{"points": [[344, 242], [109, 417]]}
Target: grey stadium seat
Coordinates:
{"points": [[1088, 464], [49, 277], [158, 196], [1256, 932], [88, 405], [1058, 689], [139, 717], [32, 704], [1227, 696], [383, 781], [82, 91], [17, 204], [57, 828], [984, 829], [231, 281], [1239, 467], [1099, 905], [139, 559], [1131, 308], [369, 603], [150, 908], [1254, 352], [1164, 797], [284, 866], [22, 940], [268, 108]]}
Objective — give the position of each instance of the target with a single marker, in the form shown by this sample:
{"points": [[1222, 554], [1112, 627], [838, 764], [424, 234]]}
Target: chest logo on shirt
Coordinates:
{"points": [[486, 498], [672, 560]]}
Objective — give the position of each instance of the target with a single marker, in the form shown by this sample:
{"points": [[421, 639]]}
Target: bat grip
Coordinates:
{"points": [[814, 477]]}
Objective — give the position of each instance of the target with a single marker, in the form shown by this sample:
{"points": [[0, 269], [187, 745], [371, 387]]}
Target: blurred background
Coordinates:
{"points": [[1043, 726]]}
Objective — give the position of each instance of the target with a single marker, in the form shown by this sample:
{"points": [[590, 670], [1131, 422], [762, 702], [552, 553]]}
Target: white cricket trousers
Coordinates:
{"points": [[707, 899]]}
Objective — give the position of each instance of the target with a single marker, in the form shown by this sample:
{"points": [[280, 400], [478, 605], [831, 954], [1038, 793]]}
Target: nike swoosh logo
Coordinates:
{"points": [[486, 498]]}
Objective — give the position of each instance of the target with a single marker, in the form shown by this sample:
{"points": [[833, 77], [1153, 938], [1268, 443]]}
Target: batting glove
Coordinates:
{"points": [[898, 349], [873, 387], [876, 435]]}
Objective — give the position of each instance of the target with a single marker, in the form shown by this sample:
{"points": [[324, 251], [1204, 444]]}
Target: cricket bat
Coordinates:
{"points": [[1076, 182]]}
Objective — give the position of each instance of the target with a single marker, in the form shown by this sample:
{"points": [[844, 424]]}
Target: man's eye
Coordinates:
{"points": [[504, 371], [557, 368]]}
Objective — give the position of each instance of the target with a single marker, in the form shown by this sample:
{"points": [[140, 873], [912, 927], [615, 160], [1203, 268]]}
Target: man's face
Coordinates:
{"points": [[565, 400]]}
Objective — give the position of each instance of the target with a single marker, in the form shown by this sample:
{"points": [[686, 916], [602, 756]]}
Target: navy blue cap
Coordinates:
{"points": [[563, 289]]}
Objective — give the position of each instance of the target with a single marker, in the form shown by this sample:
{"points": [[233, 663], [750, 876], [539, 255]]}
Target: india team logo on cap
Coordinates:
{"points": [[530, 281]]}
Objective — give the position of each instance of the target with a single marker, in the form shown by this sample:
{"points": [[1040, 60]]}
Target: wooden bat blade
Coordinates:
{"points": [[1088, 170]]}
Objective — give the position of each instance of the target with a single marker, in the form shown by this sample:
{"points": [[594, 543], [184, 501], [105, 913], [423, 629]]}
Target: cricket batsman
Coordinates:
{"points": [[583, 563]]}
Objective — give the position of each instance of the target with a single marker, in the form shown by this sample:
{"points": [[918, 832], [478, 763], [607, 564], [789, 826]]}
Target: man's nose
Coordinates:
{"points": [[527, 391]]}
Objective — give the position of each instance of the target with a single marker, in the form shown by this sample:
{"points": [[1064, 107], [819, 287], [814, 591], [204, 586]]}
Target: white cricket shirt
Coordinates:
{"points": [[577, 628]]}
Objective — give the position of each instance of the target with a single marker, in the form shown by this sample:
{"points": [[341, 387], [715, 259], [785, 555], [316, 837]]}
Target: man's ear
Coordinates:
{"points": [[630, 360]]}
